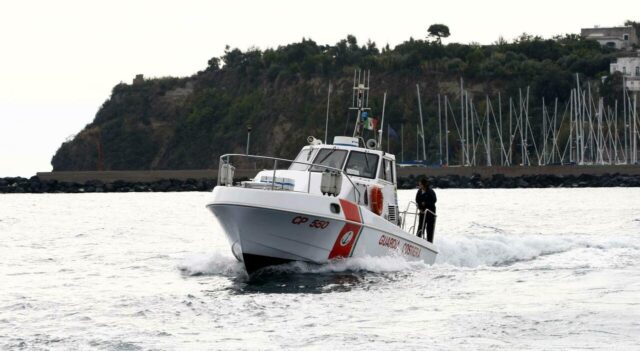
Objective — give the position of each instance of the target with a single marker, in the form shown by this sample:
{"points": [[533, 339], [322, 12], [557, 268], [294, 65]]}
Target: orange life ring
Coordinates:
{"points": [[376, 200]]}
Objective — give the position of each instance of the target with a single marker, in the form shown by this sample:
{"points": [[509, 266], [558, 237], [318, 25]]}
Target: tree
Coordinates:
{"points": [[214, 64], [438, 31]]}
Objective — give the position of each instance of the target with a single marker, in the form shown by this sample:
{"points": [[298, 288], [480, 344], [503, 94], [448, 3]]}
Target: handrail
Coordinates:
{"points": [[413, 202], [276, 159], [415, 214]]}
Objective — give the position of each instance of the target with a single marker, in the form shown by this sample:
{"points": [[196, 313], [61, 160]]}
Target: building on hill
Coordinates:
{"points": [[139, 79], [629, 66], [621, 38]]}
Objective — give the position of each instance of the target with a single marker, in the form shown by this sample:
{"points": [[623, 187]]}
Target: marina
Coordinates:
{"points": [[501, 131]]}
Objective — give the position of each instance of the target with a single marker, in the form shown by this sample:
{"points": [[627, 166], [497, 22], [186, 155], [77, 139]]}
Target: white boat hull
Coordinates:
{"points": [[274, 227]]}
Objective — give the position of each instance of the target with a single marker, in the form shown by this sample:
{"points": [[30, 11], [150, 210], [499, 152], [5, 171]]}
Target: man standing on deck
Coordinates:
{"points": [[426, 201]]}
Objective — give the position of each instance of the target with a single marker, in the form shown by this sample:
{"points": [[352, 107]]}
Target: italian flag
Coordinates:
{"points": [[371, 123]]}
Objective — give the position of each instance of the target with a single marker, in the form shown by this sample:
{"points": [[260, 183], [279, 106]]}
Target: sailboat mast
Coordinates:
{"points": [[424, 149], [446, 131], [440, 129], [402, 142]]}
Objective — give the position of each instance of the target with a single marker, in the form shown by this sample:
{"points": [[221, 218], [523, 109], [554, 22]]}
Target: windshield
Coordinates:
{"points": [[362, 164], [303, 156], [329, 157]]}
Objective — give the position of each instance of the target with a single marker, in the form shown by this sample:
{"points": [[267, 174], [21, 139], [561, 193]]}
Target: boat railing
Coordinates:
{"points": [[225, 163], [415, 213]]}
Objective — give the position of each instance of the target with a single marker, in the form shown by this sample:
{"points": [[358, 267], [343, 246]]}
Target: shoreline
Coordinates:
{"points": [[37, 185]]}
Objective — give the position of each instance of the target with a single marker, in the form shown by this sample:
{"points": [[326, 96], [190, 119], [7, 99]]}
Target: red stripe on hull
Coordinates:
{"points": [[351, 211], [348, 235], [345, 241]]}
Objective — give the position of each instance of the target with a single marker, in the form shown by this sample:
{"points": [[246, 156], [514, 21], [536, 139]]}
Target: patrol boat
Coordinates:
{"points": [[333, 201]]}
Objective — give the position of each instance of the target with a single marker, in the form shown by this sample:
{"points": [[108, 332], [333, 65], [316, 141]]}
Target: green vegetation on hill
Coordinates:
{"points": [[186, 123]]}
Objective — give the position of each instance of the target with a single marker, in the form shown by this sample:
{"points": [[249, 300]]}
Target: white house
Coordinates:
{"points": [[630, 69], [621, 38]]}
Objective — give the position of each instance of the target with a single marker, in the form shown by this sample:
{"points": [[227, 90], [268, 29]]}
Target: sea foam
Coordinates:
{"points": [[214, 263], [500, 249], [455, 250]]}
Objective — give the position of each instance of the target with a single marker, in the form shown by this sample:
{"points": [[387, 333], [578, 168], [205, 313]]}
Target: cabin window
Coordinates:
{"points": [[303, 156], [362, 164], [637, 71], [625, 37], [392, 171], [386, 170], [333, 158]]}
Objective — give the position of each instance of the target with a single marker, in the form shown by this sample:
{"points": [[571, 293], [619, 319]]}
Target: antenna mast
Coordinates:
{"points": [[360, 100], [384, 103], [326, 126]]}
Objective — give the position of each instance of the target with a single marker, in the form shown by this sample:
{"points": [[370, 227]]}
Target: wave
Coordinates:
{"points": [[355, 264], [455, 250], [213, 263], [216, 263], [501, 250]]}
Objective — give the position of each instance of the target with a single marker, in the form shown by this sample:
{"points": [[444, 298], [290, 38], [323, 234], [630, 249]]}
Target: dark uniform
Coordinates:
{"points": [[426, 201]]}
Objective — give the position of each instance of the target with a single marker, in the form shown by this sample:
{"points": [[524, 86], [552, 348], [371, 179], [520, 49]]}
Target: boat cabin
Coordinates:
{"points": [[342, 169]]}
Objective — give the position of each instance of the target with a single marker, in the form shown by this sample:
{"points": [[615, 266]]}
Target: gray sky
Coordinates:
{"points": [[60, 59]]}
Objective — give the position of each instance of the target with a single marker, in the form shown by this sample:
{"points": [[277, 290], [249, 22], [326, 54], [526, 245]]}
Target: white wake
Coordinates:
{"points": [[500, 249], [455, 250]]}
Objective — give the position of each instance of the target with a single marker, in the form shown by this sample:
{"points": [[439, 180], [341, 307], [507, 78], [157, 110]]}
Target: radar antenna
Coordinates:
{"points": [[360, 100]]}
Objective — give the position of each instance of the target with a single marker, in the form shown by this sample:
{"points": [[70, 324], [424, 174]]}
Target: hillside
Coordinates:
{"points": [[186, 123]]}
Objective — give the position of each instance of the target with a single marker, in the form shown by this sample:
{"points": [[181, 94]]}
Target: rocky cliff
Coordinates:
{"points": [[186, 123]]}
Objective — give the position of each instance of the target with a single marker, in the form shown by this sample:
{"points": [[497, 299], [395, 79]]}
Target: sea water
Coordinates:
{"points": [[529, 269]]}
